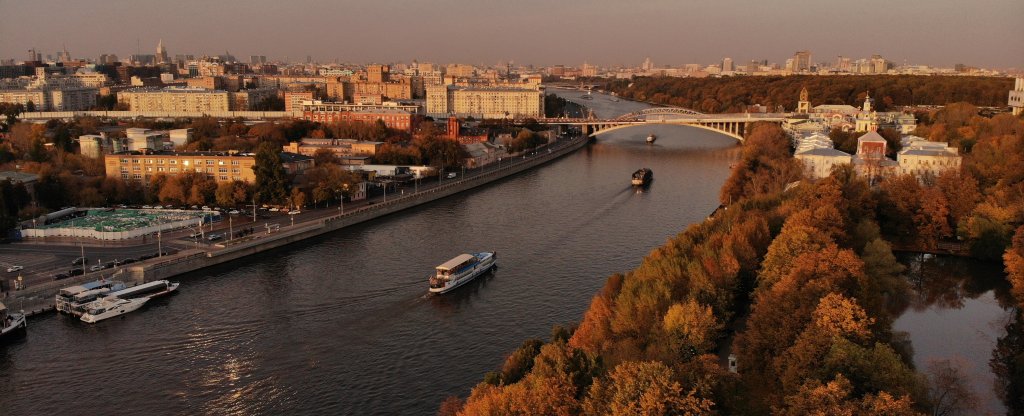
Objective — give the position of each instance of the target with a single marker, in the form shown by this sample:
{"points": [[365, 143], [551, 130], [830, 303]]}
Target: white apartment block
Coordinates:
{"points": [[926, 159], [485, 102], [1017, 97], [175, 99]]}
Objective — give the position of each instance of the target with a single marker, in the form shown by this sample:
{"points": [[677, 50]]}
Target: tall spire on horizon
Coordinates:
{"points": [[161, 53]]}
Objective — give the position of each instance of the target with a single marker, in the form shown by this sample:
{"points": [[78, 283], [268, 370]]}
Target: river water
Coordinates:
{"points": [[341, 325], [957, 310]]}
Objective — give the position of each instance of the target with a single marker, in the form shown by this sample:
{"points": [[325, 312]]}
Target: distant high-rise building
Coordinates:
{"points": [[107, 59], [843, 64], [802, 61], [647, 65], [161, 53], [727, 65], [64, 55], [879, 65], [144, 59], [257, 59]]}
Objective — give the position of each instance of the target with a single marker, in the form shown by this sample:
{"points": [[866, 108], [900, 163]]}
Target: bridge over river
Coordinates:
{"points": [[734, 125]]}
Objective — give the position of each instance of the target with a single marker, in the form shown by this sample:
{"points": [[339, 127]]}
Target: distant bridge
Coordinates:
{"points": [[735, 125]]}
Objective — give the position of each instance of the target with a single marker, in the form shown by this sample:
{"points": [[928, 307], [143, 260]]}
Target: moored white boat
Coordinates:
{"points": [[460, 270], [11, 324], [150, 290], [110, 307], [651, 138], [74, 299]]}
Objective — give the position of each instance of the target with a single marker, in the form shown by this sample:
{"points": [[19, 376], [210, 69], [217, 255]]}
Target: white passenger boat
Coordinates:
{"points": [[460, 270], [150, 290], [74, 299], [110, 307], [11, 324]]}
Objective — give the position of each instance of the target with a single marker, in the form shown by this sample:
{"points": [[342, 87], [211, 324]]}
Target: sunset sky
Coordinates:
{"points": [[986, 33]]}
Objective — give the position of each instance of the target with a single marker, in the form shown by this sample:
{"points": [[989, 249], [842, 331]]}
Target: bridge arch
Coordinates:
{"points": [[611, 128], [642, 114]]}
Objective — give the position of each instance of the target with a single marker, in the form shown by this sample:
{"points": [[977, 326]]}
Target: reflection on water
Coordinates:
{"points": [[957, 310]]}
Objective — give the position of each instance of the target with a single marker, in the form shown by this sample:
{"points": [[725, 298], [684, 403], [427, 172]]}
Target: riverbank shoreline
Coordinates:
{"points": [[40, 300]]}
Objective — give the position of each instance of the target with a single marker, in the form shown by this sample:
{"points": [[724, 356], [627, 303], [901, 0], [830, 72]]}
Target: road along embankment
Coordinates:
{"points": [[40, 299]]}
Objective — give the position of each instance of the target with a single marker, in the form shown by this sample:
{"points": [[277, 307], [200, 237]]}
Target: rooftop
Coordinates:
{"points": [[823, 151], [16, 177]]}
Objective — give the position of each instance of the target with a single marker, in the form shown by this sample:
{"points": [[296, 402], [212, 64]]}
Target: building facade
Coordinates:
{"points": [[293, 99], [219, 166], [393, 118], [340, 147], [1016, 100], [175, 99], [485, 102], [926, 159]]}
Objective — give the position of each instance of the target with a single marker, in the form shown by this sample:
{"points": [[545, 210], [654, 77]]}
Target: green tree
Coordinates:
{"points": [[271, 180]]}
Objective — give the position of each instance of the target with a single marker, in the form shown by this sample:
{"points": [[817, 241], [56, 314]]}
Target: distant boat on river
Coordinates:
{"points": [[642, 177]]}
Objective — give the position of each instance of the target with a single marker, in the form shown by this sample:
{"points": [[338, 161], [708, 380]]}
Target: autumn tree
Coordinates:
{"points": [[642, 388], [834, 399], [690, 328], [765, 167], [1014, 261]]}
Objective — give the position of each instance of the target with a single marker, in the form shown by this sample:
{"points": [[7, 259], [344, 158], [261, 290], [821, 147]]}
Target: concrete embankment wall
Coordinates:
{"points": [[41, 297]]}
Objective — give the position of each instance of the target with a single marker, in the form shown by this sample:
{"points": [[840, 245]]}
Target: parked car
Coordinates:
{"points": [[128, 261], [13, 269], [76, 272], [97, 267], [147, 207], [234, 212], [294, 212], [451, 175], [79, 261], [60, 276], [275, 209], [214, 237]]}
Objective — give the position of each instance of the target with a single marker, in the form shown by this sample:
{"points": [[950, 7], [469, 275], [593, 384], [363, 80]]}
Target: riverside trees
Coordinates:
{"points": [[736, 94], [817, 339]]}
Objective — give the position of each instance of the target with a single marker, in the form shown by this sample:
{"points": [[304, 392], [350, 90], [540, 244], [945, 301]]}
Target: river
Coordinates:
{"points": [[341, 325], [957, 310]]}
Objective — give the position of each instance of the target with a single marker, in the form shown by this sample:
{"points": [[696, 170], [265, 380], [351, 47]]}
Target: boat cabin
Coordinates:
{"points": [[455, 265]]}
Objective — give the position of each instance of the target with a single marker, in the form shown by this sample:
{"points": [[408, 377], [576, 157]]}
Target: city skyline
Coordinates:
{"points": [[602, 33]]}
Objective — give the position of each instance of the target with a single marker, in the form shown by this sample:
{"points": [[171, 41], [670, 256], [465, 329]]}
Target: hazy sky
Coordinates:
{"points": [[987, 33]]}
